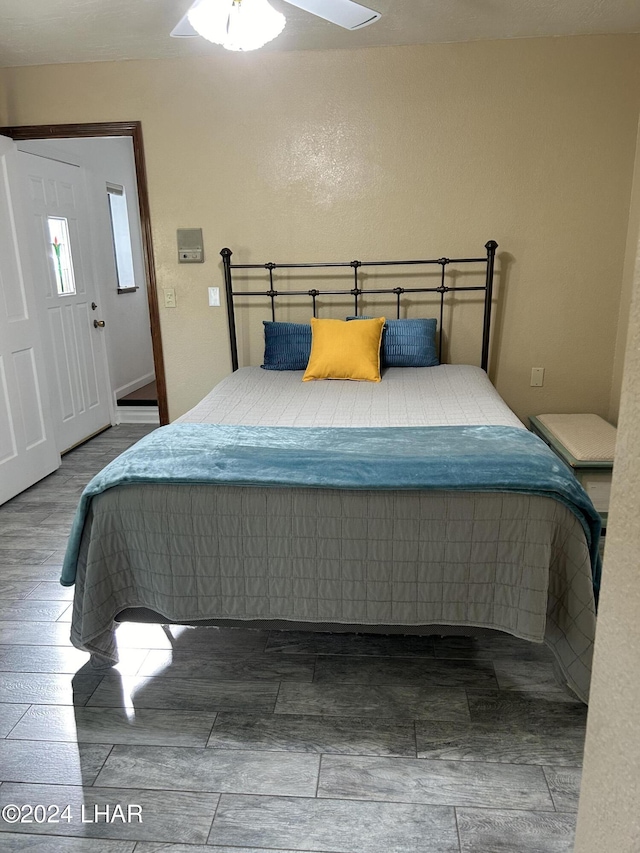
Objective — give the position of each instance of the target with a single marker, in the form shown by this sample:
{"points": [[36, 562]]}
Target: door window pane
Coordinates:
{"points": [[61, 255], [121, 237]]}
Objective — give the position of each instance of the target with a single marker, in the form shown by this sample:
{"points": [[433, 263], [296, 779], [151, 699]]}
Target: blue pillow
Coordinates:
{"points": [[408, 343], [287, 346]]}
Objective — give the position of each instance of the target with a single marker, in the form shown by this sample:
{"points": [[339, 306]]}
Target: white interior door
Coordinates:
{"points": [[28, 450], [58, 215]]}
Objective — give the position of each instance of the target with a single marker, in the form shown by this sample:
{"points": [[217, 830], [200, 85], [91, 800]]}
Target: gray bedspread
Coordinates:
{"points": [[515, 563]]}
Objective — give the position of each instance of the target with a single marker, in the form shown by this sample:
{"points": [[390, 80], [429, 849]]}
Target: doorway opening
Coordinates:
{"points": [[134, 131]]}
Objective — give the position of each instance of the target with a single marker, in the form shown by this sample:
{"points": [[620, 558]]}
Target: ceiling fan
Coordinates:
{"points": [[249, 24]]}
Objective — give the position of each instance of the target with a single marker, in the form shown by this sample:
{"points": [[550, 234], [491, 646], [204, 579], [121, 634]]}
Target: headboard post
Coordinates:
{"points": [[491, 247], [226, 264]]}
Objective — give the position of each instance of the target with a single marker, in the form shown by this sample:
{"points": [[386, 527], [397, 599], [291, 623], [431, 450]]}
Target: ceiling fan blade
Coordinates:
{"points": [[344, 13], [183, 29]]}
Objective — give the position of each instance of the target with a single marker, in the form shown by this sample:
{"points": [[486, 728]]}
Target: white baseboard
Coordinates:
{"points": [[137, 415]]}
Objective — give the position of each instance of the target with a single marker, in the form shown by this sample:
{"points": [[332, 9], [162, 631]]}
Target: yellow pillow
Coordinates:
{"points": [[342, 350]]}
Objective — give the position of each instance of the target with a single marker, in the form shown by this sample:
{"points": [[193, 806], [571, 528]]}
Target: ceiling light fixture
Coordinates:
{"points": [[236, 24], [248, 24]]}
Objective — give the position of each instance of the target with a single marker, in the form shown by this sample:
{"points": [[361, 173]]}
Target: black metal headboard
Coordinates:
{"points": [[356, 291]]}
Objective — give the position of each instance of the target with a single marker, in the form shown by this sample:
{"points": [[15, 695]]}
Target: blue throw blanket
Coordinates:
{"points": [[474, 458]]}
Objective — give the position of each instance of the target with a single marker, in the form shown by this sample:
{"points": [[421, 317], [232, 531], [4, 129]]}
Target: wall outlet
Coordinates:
{"points": [[169, 297], [537, 377], [214, 297]]}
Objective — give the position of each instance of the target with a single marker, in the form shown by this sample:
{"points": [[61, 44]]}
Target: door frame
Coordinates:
{"points": [[132, 129]]}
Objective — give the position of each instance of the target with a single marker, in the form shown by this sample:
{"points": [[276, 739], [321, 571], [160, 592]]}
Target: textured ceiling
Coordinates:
{"points": [[37, 32]]}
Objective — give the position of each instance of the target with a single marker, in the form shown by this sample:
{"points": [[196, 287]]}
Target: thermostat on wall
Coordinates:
{"points": [[190, 247]]}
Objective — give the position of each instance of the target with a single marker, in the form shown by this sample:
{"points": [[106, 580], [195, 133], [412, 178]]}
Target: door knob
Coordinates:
{"points": [[98, 324]]}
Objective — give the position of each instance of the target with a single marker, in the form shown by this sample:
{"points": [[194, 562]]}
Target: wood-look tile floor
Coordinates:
{"points": [[248, 741]]}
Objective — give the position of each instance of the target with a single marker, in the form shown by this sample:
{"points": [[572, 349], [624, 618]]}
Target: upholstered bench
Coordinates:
{"points": [[587, 444]]}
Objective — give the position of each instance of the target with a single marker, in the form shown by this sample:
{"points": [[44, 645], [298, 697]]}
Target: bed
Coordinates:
{"points": [[410, 505]]}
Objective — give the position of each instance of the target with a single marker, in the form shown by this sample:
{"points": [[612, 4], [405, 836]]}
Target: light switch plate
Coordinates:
{"points": [[537, 377], [214, 297]]}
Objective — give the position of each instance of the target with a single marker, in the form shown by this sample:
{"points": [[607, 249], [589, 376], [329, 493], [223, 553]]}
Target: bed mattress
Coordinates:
{"points": [[448, 395]]}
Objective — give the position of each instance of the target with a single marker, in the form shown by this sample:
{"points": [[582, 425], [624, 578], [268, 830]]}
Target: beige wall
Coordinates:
{"points": [[388, 152], [609, 816], [627, 287], [3, 94]]}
